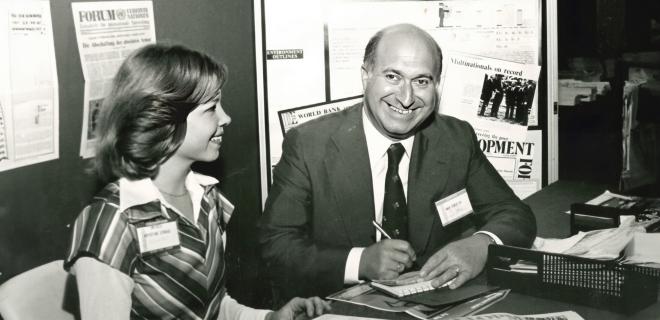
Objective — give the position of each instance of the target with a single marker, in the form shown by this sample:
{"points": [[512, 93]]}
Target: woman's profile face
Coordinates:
{"points": [[205, 129]]}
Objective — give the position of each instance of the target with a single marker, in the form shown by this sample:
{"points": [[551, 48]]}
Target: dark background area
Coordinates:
{"points": [[603, 32], [39, 202]]}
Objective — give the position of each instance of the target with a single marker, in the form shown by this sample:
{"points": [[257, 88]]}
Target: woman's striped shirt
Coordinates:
{"points": [[186, 282]]}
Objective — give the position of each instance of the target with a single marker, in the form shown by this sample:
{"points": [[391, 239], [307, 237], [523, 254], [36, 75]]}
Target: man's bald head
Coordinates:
{"points": [[407, 30]]}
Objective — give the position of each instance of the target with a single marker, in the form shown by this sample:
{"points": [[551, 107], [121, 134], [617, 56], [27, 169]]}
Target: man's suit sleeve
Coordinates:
{"points": [[497, 209], [298, 264]]}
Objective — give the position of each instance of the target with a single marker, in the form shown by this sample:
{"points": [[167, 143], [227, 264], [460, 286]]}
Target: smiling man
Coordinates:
{"points": [[387, 186]]}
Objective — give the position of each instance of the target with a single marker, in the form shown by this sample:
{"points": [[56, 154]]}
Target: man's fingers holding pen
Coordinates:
{"points": [[402, 246], [396, 250], [400, 258]]}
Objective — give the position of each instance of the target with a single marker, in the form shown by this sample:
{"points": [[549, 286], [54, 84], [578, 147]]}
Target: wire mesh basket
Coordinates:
{"points": [[602, 284]]}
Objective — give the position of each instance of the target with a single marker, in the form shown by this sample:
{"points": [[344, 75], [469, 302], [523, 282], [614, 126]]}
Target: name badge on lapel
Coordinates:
{"points": [[453, 207], [157, 237]]}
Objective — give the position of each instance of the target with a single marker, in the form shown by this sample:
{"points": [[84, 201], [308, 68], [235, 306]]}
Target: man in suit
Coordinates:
{"points": [[486, 93], [339, 172], [497, 97]]}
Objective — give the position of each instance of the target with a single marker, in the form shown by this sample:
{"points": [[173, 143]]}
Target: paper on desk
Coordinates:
{"points": [[328, 316], [643, 249], [469, 307], [596, 244], [607, 196], [557, 245], [604, 243], [564, 315]]}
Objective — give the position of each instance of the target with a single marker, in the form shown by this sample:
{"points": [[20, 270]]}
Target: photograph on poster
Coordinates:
{"points": [[506, 99], [94, 109]]}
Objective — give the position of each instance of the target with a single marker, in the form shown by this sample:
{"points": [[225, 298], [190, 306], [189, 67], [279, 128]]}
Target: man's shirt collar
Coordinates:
{"points": [[377, 143]]}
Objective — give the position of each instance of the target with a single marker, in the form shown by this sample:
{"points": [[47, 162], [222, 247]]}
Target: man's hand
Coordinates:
{"points": [[460, 260], [386, 259], [299, 307]]}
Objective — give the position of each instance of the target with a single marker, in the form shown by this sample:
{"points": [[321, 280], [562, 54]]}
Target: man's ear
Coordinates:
{"points": [[438, 96], [365, 76]]}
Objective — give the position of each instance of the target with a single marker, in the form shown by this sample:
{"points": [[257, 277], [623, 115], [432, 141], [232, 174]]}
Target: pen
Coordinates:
{"points": [[379, 228]]}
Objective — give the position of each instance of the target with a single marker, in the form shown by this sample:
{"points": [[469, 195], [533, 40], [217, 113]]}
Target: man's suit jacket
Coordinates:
{"points": [[321, 202]]}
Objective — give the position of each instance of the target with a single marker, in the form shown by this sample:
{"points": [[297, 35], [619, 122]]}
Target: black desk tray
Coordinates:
{"points": [[602, 284], [586, 217]]}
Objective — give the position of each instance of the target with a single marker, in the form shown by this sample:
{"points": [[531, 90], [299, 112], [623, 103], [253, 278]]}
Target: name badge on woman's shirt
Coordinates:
{"points": [[158, 237], [453, 207]]}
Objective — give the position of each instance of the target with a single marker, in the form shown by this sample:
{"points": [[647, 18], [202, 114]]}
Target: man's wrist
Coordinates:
{"points": [[352, 268], [485, 238]]}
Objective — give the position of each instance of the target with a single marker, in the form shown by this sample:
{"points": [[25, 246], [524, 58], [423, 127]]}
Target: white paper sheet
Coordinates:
{"points": [[29, 106]]}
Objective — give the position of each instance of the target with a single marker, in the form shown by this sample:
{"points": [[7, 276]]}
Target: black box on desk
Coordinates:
{"points": [[601, 284], [586, 217]]}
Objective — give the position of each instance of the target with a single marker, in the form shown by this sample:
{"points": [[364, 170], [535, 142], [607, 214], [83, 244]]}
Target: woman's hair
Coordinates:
{"points": [[143, 118]]}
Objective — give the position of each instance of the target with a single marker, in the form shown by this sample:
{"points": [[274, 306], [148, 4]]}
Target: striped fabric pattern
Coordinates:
{"points": [[181, 283]]}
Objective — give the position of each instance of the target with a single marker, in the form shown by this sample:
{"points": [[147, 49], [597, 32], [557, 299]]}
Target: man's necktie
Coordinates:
{"points": [[395, 210]]}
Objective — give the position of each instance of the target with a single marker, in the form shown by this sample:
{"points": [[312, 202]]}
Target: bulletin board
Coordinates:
{"points": [[311, 53]]}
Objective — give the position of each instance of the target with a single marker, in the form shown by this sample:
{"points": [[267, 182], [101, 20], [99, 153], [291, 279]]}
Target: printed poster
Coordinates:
{"points": [[289, 118], [107, 32], [29, 103], [496, 98]]}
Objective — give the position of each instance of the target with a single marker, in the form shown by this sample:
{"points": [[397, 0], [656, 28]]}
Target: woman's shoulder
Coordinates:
{"points": [[105, 202], [109, 194]]}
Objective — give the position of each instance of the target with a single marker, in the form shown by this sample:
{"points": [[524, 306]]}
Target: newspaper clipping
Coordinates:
{"points": [[29, 109], [289, 118], [107, 32], [495, 97]]}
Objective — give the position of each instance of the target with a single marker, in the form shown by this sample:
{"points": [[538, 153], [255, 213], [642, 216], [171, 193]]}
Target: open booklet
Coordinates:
{"points": [[442, 303]]}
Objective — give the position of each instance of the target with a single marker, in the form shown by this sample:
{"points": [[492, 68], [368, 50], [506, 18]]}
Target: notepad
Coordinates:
{"points": [[404, 290]]}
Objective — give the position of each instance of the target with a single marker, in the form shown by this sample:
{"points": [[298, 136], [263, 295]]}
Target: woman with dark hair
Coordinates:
{"points": [[150, 245]]}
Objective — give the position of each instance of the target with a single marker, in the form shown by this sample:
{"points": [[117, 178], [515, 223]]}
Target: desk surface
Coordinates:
{"points": [[549, 206]]}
